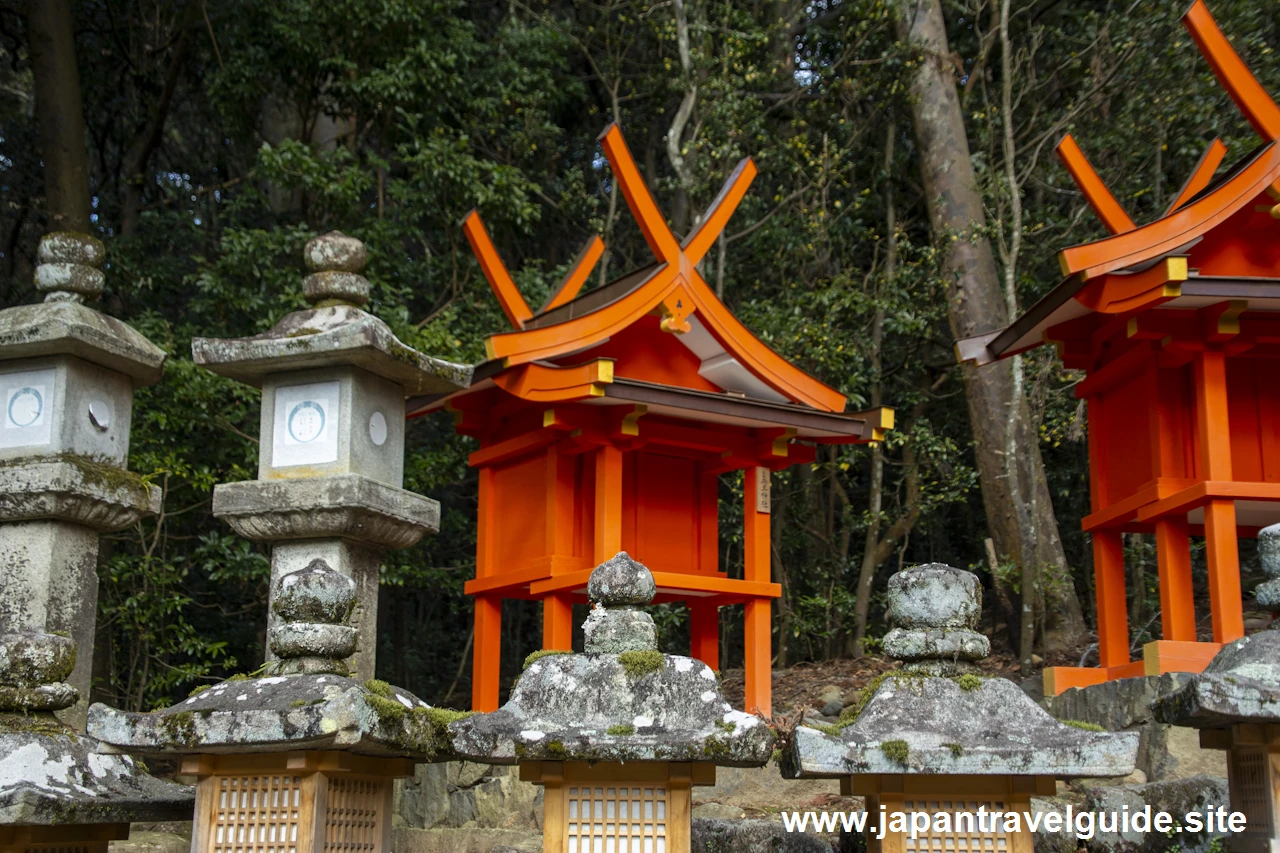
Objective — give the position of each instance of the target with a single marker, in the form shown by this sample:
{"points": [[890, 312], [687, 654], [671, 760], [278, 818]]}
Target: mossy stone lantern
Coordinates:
{"points": [[1235, 703], [935, 737], [67, 374], [334, 379], [620, 734], [302, 758]]}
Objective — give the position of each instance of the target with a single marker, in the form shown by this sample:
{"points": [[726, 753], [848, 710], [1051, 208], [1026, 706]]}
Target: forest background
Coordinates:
{"points": [[222, 134]]}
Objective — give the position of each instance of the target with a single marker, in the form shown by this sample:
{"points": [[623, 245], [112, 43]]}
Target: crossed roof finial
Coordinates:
{"points": [[1238, 81], [682, 257]]}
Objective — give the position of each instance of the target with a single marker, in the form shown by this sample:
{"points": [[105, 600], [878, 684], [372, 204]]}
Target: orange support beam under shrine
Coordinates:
{"points": [[605, 422], [1176, 326]]}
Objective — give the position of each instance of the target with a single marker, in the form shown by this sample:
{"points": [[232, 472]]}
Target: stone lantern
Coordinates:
{"points": [[302, 758], [67, 375], [1235, 703], [935, 737], [617, 736], [334, 380]]}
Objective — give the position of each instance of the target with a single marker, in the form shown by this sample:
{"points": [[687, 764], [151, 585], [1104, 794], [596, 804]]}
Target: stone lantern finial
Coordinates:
{"points": [[69, 267], [1267, 593], [313, 605], [934, 609], [335, 261], [617, 586]]}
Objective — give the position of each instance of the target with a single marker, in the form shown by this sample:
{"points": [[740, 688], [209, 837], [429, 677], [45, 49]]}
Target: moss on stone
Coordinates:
{"points": [[896, 750], [968, 682], [957, 750], [638, 664], [379, 688], [726, 726], [198, 689], [390, 712], [542, 653], [825, 728], [621, 730], [39, 723], [1083, 725], [179, 727], [240, 676], [438, 719], [555, 749]]}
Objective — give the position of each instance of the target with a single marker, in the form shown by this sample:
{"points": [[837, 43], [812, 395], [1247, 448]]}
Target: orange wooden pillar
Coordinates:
{"points": [[608, 505], [704, 633], [758, 628], [487, 653], [1213, 438], [1173, 563], [1109, 589], [486, 650], [557, 607]]}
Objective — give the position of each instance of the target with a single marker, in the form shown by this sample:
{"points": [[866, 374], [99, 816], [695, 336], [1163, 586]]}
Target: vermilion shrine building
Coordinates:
{"points": [[605, 420], [1176, 324]]}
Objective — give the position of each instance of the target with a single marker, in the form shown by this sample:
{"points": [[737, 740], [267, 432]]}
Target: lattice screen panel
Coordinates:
{"points": [[1250, 791], [616, 819], [351, 817], [256, 814], [87, 847], [955, 842]]}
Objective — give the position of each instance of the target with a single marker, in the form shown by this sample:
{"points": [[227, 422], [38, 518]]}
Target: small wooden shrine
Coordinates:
{"points": [[605, 420], [1176, 324]]}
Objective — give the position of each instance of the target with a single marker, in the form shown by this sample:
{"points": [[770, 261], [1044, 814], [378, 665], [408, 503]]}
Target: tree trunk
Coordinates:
{"points": [[148, 139], [59, 114], [1015, 496]]}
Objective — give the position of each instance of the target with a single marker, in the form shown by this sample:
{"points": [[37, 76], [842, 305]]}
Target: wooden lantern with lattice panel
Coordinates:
{"points": [[615, 806], [908, 794], [1253, 774], [293, 802]]}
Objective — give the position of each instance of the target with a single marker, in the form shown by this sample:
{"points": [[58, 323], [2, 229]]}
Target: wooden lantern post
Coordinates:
{"points": [[1175, 325], [605, 420]]}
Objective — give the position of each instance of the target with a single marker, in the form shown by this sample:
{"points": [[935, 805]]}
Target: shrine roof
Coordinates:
{"points": [[1187, 258], [731, 356]]}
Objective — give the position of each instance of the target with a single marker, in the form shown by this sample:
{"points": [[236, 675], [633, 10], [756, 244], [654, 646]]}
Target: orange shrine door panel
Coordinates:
{"points": [[669, 513]]}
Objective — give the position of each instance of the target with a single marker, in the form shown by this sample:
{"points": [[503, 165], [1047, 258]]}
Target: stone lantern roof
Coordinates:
{"points": [[1242, 682], [334, 331], [68, 274], [622, 700], [304, 700], [52, 775], [937, 715]]}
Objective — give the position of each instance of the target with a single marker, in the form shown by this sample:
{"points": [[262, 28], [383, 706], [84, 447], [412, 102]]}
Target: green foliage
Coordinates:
{"points": [[390, 119]]}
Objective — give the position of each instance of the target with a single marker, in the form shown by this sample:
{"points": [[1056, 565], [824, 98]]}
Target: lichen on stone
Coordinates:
{"points": [[542, 653], [638, 664]]}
